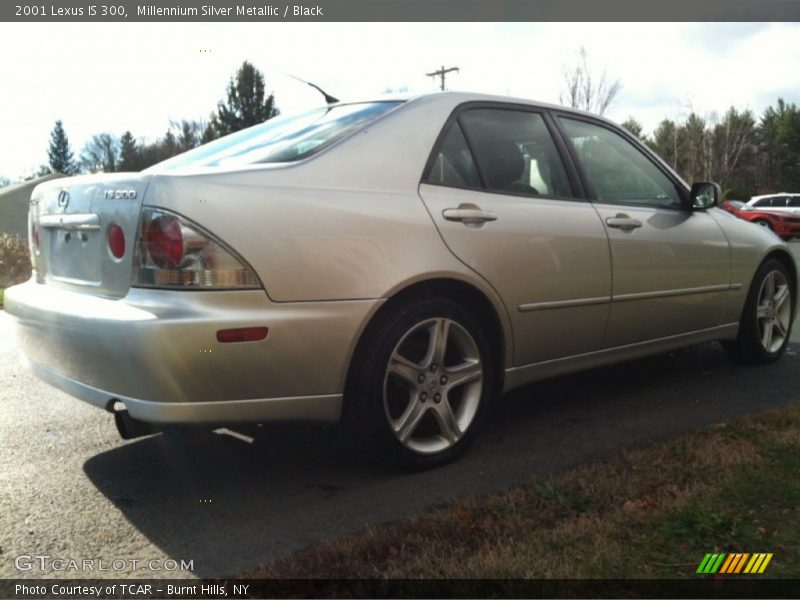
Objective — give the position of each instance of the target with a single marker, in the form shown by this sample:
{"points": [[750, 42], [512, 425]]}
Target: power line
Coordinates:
{"points": [[441, 73]]}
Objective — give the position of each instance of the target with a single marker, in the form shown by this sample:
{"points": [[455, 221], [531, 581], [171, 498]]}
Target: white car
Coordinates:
{"points": [[783, 202]]}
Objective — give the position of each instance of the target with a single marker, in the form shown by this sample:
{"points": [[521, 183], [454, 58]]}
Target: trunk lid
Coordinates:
{"points": [[73, 216]]}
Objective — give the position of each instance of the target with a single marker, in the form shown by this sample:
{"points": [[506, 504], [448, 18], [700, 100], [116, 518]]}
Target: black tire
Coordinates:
{"points": [[749, 346], [373, 395]]}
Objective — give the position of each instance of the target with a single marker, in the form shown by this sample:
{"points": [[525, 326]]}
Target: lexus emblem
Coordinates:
{"points": [[63, 199]]}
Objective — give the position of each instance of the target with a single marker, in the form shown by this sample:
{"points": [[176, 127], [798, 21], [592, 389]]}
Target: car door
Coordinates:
{"points": [[671, 264], [507, 206]]}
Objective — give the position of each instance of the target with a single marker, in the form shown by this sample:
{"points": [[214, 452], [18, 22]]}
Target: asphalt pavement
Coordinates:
{"points": [[70, 489]]}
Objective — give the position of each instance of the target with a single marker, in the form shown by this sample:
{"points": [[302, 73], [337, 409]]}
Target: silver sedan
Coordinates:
{"points": [[393, 264]]}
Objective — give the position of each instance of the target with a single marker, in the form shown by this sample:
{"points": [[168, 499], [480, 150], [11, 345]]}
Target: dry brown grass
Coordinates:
{"points": [[15, 261], [652, 512]]}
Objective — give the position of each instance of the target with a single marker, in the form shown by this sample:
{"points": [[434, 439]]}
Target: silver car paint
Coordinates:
{"points": [[534, 271], [331, 238], [160, 346], [108, 277]]}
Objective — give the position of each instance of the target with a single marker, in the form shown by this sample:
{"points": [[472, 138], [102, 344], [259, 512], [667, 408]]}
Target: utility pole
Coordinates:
{"points": [[441, 74]]}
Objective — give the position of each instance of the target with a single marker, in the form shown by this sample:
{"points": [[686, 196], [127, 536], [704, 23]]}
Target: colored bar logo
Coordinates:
{"points": [[734, 563]]}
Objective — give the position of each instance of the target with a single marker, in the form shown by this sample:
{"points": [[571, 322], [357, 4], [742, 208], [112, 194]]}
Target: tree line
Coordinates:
{"points": [[247, 104], [746, 154]]}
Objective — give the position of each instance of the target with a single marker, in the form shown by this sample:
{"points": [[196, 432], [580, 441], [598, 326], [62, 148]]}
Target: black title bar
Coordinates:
{"points": [[399, 10]]}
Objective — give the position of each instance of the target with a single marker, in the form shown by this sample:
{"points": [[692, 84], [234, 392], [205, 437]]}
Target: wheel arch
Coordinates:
{"points": [[494, 319], [788, 261]]}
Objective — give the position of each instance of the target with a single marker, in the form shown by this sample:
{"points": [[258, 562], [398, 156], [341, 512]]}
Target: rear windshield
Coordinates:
{"points": [[282, 139]]}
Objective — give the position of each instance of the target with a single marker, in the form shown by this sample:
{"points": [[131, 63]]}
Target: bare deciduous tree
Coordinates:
{"points": [[100, 154], [584, 91]]}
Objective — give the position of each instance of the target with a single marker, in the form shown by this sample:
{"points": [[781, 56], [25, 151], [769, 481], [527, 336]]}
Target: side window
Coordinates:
{"points": [[618, 171], [795, 202], [454, 165], [515, 152], [764, 202]]}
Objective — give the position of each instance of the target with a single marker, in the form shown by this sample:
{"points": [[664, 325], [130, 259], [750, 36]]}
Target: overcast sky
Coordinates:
{"points": [[110, 77]]}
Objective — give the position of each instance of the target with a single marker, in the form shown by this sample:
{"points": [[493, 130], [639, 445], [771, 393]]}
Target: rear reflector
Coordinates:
{"points": [[244, 334], [116, 241]]}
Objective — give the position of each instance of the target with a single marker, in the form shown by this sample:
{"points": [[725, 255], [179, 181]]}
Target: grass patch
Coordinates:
{"points": [[650, 513]]}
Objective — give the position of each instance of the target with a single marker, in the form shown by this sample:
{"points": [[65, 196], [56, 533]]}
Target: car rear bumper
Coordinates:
{"points": [[156, 352]]}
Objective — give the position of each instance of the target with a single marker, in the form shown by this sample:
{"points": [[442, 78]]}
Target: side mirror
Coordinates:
{"points": [[705, 195]]}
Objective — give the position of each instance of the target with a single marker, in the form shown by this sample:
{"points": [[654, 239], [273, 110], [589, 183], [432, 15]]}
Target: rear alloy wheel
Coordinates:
{"points": [[433, 384], [767, 316], [420, 383]]}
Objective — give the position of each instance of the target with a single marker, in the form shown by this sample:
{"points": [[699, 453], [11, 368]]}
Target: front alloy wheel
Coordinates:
{"points": [[774, 311], [433, 384], [767, 316]]}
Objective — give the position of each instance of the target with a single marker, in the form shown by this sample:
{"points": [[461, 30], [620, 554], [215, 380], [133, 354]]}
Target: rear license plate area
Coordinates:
{"points": [[75, 255]]}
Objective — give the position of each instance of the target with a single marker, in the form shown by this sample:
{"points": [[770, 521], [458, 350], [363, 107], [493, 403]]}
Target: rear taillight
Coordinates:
{"points": [[164, 241], [172, 252]]}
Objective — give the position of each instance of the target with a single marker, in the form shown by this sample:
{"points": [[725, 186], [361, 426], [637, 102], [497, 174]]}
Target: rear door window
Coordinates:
{"points": [[453, 164], [500, 150], [515, 152]]}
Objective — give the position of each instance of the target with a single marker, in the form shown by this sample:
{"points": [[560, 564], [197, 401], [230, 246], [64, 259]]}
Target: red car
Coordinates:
{"points": [[783, 224]]}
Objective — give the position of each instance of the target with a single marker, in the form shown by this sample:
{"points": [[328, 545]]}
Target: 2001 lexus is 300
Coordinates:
{"points": [[395, 264]]}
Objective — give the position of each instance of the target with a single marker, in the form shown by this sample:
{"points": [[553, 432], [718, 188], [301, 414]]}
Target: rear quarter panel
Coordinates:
{"points": [[345, 224]]}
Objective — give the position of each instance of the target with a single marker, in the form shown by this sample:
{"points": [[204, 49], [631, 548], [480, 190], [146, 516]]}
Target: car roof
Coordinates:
{"points": [[772, 195], [455, 99]]}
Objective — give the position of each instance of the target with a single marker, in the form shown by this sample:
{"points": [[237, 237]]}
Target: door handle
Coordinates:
{"points": [[469, 214], [623, 221]]}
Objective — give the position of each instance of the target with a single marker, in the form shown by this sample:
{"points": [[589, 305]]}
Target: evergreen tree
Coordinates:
{"points": [[246, 104], [59, 152], [634, 127], [129, 159], [209, 134], [788, 150], [189, 133], [665, 142], [169, 146]]}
